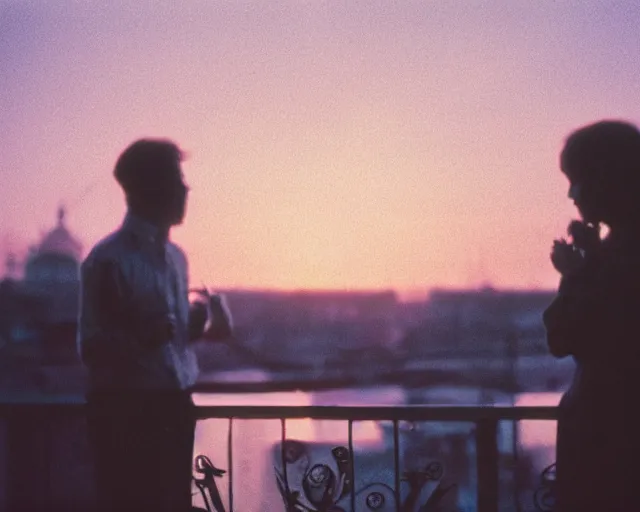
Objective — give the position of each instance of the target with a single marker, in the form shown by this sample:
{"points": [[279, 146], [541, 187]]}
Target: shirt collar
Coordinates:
{"points": [[143, 229]]}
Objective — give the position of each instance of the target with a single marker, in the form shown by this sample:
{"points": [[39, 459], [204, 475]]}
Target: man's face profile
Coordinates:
{"points": [[177, 192], [169, 194]]}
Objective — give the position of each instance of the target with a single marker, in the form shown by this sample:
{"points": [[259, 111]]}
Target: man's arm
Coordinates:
{"points": [[211, 309], [106, 336], [198, 313]]}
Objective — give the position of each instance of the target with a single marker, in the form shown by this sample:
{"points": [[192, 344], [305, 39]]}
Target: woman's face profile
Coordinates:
{"points": [[586, 198], [574, 192]]}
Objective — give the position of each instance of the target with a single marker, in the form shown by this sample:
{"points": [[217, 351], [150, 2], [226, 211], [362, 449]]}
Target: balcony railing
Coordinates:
{"points": [[46, 458]]}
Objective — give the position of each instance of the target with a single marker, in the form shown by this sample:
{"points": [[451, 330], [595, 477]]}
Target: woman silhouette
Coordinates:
{"points": [[595, 318]]}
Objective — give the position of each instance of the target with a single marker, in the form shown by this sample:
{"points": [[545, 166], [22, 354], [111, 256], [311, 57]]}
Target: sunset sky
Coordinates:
{"points": [[345, 144]]}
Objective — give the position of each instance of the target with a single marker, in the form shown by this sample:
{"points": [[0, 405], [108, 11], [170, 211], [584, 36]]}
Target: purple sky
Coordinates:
{"points": [[333, 144]]}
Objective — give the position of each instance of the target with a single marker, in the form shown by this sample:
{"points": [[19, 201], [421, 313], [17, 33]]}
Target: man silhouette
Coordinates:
{"points": [[134, 327]]}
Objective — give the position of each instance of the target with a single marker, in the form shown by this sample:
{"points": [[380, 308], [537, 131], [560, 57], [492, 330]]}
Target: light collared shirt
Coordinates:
{"points": [[130, 280]]}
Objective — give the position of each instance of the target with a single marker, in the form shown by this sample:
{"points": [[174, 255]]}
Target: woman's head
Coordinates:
{"points": [[602, 163]]}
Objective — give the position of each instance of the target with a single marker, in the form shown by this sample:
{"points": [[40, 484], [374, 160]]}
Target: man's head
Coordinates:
{"points": [[149, 171], [602, 163]]}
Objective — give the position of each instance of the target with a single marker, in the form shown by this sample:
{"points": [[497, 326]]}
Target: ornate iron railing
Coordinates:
{"points": [[307, 481], [544, 497], [329, 487]]}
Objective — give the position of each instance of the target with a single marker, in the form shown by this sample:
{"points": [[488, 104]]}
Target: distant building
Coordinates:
{"points": [[309, 307], [490, 306], [315, 328], [480, 321], [55, 261], [42, 292]]}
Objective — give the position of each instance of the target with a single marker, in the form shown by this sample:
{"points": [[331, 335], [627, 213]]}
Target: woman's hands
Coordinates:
{"points": [[567, 258], [586, 237], [571, 258]]}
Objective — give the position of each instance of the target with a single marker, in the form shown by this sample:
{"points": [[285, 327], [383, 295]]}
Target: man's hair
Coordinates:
{"points": [[147, 162], [607, 151]]}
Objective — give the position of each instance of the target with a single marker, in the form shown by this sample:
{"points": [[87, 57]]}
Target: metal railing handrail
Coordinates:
{"points": [[472, 413]]}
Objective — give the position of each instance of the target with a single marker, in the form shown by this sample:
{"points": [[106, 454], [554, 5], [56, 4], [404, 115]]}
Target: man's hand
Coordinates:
{"points": [[566, 258], [198, 318], [210, 317], [220, 326]]}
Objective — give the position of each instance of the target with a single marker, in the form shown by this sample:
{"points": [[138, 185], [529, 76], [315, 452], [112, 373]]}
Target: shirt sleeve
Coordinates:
{"points": [[197, 316], [106, 336]]}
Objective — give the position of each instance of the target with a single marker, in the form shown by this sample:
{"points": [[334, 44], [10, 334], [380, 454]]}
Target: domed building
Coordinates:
{"points": [[56, 260], [47, 294]]}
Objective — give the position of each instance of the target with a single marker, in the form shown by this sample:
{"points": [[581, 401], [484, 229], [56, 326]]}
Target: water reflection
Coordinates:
{"points": [[538, 434]]}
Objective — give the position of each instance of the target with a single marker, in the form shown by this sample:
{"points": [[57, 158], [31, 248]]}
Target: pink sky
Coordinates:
{"points": [[342, 144]]}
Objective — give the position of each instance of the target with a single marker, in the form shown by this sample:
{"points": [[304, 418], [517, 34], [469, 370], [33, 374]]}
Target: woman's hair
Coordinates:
{"points": [[607, 152]]}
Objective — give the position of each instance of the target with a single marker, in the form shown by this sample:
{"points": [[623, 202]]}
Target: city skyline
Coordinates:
{"points": [[332, 145]]}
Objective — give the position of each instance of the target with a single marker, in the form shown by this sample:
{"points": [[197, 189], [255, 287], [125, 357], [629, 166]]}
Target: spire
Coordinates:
{"points": [[61, 215]]}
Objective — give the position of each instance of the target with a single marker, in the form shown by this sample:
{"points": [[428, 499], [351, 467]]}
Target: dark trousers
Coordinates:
{"points": [[143, 447]]}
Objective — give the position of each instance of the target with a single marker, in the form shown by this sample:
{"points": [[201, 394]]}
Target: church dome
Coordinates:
{"points": [[60, 241], [56, 260]]}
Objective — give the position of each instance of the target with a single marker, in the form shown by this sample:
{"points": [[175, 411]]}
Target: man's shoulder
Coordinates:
{"points": [[111, 248], [177, 252]]}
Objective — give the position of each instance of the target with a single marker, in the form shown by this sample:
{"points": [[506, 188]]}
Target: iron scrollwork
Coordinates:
{"points": [[312, 478], [320, 480], [207, 486], [544, 497]]}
